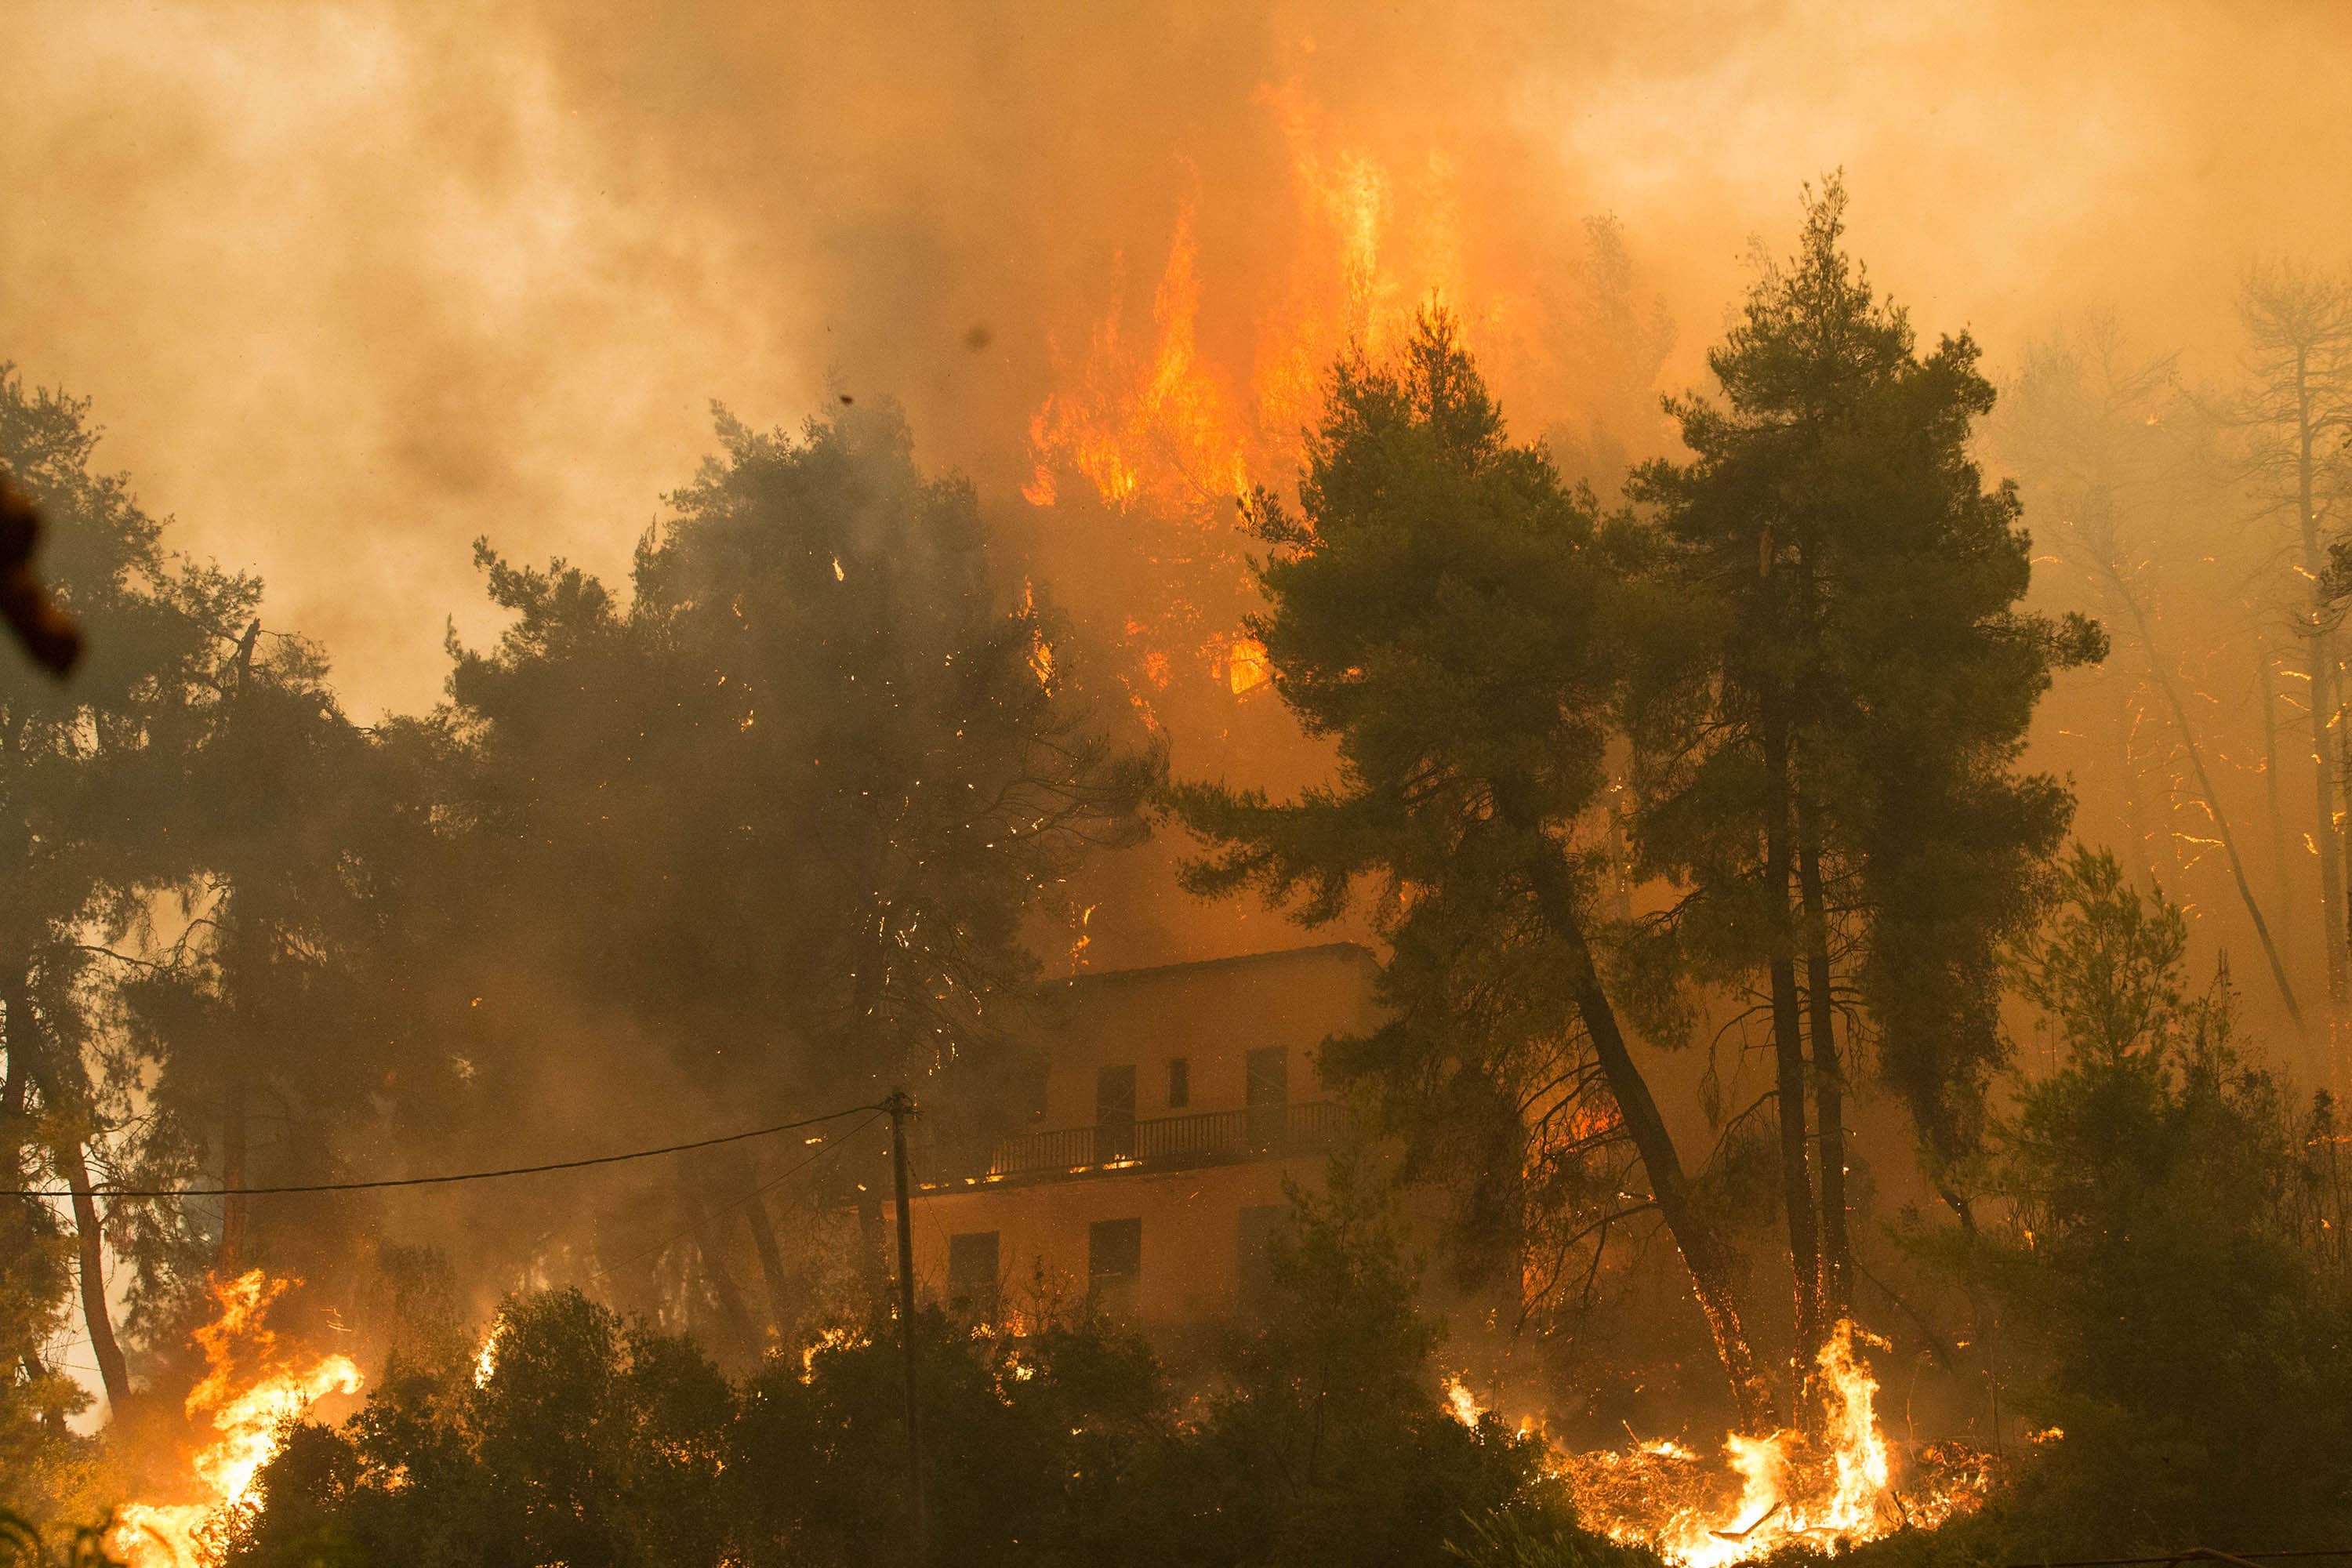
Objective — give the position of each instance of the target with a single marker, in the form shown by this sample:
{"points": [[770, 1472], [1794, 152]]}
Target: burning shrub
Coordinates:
{"points": [[578, 1437], [591, 1439]]}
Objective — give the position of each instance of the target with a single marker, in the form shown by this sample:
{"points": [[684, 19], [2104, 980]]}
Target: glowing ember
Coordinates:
{"points": [[830, 1340], [1818, 1490], [252, 1388]]}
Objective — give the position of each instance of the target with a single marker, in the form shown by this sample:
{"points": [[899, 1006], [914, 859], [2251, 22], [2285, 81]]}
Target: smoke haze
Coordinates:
{"points": [[353, 284]]}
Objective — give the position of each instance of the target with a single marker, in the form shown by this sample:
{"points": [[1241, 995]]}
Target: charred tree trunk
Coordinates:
{"points": [[714, 1263], [1828, 1076], [2331, 841], [1704, 1254], [1789, 1051]]}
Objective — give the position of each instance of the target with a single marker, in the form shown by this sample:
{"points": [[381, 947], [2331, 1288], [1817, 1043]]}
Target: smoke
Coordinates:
{"points": [[354, 283]]}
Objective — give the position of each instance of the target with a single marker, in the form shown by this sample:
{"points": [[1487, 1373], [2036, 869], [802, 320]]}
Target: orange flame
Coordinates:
{"points": [[1158, 430], [247, 1410], [1838, 1487], [1167, 431]]}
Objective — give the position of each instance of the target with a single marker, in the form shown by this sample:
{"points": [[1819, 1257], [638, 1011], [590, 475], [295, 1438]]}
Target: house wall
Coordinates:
{"points": [[1213, 1015], [1192, 1234]]}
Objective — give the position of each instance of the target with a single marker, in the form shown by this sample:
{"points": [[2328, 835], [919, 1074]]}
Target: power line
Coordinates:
{"points": [[434, 1180], [731, 1204]]}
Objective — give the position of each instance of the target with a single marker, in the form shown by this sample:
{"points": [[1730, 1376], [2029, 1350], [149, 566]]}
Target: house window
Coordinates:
{"points": [[973, 1271], [1114, 1264], [1179, 1082], [1268, 1095], [1114, 1113], [1253, 1254]]}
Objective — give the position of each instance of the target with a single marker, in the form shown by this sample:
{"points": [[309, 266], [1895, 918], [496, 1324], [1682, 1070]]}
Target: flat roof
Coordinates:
{"points": [[1200, 965]]}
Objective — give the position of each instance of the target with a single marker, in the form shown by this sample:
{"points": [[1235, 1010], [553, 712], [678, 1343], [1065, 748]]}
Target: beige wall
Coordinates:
{"points": [[1214, 1013], [1192, 1223]]}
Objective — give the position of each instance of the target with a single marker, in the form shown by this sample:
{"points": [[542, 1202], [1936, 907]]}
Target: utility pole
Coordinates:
{"points": [[901, 1106]]}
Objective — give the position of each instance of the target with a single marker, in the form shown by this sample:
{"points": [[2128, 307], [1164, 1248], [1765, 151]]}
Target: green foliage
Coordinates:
{"points": [[591, 1441], [2170, 1275], [90, 774], [1508, 1538], [1849, 578], [1329, 1445], [46, 1469], [1453, 617], [824, 717], [767, 827]]}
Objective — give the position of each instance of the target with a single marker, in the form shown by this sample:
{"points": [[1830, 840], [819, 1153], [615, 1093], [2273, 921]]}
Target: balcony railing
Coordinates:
{"points": [[1257, 1133]]}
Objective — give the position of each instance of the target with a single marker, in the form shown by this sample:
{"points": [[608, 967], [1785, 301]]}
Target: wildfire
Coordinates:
{"points": [[1462, 1405], [1246, 666], [485, 1360], [1155, 430], [1837, 1485], [253, 1386]]}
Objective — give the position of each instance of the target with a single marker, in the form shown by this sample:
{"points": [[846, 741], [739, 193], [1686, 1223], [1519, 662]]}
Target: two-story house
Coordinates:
{"points": [[1177, 1103]]}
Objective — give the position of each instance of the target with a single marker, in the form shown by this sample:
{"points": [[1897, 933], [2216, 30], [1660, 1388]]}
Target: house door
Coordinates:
{"points": [[1114, 1113], [1269, 1094]]}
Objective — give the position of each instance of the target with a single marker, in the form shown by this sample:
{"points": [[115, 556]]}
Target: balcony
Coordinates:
{"points": [[1207, 1138]]}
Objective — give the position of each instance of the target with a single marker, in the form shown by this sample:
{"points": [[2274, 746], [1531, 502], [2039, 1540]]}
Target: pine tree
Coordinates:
{"points": [[1454, 620], [1830, 773]]}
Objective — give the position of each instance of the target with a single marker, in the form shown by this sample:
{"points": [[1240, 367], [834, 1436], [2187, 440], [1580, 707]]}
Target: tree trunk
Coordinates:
{"points": [[771, 1262], [112, 1368], [2281, 850], [2213, 802], [1788, 1054], [1703, 1252], [1829, 1075], [2331, 842], [714, 1265], [236, 1209], [33, 1054]]}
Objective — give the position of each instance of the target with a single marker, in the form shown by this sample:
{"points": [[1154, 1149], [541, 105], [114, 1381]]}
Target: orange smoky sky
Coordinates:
{"points": [[353, 284]]}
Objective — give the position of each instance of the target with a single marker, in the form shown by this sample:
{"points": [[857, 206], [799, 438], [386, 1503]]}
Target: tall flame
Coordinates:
{"points": [[1835, 1487], [1167, 429], [252, 1387], [1156, 430]]}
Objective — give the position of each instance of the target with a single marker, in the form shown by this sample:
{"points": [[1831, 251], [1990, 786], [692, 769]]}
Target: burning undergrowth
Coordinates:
{"points": [[1837, 1483], [256, 1382]]}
